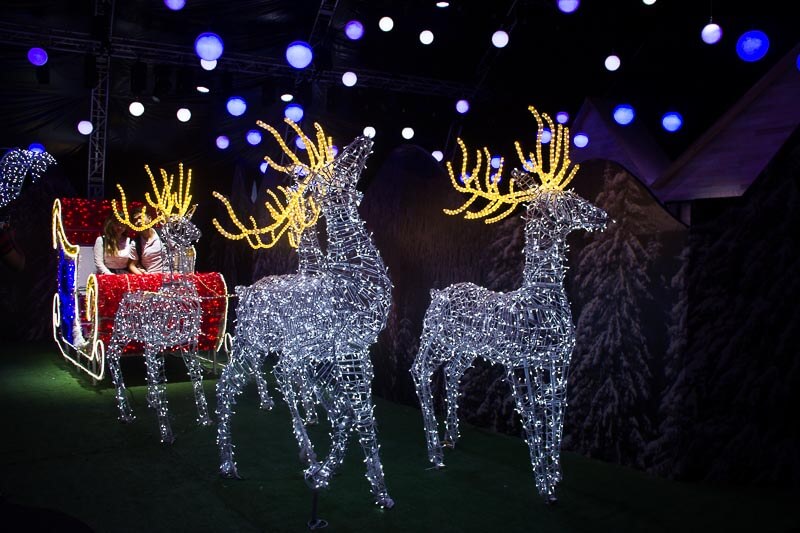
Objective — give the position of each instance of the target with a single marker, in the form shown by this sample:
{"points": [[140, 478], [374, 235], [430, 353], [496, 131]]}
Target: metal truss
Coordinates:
{"points": [[170, 54]]}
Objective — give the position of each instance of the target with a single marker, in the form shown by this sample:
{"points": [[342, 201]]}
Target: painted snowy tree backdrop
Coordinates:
{"points": [[621, 325], [727, 412]]}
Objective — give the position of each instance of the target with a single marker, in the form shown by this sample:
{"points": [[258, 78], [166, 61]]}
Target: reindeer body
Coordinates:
{"points": [[168, 319], [529, 331], [321, 322]]}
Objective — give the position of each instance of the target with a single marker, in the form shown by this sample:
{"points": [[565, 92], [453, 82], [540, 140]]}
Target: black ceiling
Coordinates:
{"points": [[553, 61]]}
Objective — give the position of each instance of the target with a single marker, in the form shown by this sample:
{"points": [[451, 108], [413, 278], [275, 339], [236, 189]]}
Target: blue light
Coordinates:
{"points": [[298, 141], [36, 147], [568, 6], [236, 106], [294, 112], [223, 142], [495, 161], [208, 46], [624, 114], [580, 140], [562, 117], [354, 30], [175, 5], [546, 135], [797, 62], [299, 54], [37, 56], [672, 121], [752, 45], [254, 137], [462, 106], [263, 167]]}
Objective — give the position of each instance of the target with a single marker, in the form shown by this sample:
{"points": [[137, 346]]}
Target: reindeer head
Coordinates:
{"points": [[173, 213], [547, 200], [555, 205]]}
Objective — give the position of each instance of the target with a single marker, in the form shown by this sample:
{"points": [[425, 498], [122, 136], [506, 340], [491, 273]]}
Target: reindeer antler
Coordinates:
{"points": [[295, 216], [560, 172], [319, 154], [295, 213], [167, 202], [486, 189]]}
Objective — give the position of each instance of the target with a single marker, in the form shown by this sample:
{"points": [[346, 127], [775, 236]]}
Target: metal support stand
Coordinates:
{"points": [[315, 522]]}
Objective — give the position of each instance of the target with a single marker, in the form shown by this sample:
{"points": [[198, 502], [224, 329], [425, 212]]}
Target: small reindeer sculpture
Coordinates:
{"points": [[528, 331], [170, 318], [320, 322]]}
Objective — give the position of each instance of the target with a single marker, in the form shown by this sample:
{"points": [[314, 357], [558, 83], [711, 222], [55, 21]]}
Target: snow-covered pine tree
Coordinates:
{"points": [[663, 457], [610, 378]]}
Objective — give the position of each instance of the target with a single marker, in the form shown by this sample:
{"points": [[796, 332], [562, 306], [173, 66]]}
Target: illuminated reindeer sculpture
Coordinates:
{"points": [[302, 234], [528, 331], [169, 318], [321, 322]]}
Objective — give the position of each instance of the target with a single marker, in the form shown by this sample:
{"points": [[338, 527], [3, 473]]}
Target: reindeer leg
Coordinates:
{"points": [[265, 400], [453, 371], [356, 377], [531, 396], [327, 383], [285, 377], [307, 397], [114, 353], [230, 384], [156, 383], [558, 403], [422, 371], [196, 374]]}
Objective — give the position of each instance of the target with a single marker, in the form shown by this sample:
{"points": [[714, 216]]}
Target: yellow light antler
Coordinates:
{"points": [[166, 204], [319, 154], [294, 218], [560, 172], [295, 213], [486, 189]]}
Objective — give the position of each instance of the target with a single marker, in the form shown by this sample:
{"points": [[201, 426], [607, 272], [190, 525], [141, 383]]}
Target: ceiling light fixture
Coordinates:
{"points": [[386, 23], [500, 39], [299, 54], [208, 46]]}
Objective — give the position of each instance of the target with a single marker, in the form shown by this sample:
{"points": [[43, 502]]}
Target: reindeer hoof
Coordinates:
{"points": [[317, 476], [229, 471], [437, 461], [266, 405], [386, 503], [551, 499]]}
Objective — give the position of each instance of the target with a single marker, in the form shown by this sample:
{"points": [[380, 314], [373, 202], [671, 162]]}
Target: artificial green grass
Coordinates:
{"points": [[64, 451]]}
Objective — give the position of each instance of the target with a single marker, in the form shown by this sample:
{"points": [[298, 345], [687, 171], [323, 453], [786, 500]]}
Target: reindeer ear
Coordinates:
{"points": [[190, 212]]}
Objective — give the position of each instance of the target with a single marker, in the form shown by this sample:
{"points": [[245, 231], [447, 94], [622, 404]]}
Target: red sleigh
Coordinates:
{"points": [[85, 303]]}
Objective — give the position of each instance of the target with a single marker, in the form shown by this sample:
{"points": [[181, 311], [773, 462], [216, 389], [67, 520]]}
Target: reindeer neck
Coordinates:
{"points": [[310, 258], [545, 254], [350, 245]]}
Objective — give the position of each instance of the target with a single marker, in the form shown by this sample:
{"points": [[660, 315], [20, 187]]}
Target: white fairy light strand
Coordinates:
{"points": [[528, 331], [168, 319], [15, 166], [321, 322]]}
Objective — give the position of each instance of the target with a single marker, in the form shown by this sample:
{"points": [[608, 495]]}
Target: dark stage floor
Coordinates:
{"points": [[68, 464]]}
